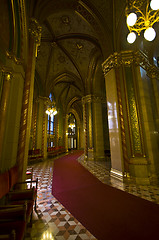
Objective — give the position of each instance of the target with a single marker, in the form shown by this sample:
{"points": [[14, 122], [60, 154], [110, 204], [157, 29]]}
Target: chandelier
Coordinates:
{"points": [[51, 111], [142, 15]]}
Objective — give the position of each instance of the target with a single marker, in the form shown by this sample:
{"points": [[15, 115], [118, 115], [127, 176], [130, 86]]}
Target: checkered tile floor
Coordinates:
{"points": [[53, 221]]}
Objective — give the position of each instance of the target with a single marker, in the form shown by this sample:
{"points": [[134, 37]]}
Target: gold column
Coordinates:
{"points": [[66, 131], [78, 137], [56, 130], [153, 73], [35, 125], [85, 128], [34, 42], [44, 130], [88, 102], [98, 128], [124, 68], [4, 105]]}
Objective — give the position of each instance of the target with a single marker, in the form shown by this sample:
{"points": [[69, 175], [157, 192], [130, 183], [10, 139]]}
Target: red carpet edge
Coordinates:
{"points": [[108, 213]]}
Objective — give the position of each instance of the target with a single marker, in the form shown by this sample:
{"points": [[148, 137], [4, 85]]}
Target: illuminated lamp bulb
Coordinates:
{"points": [[131, 19], [55, 112], [47, 112], [154, 4], [131, 37], [149, 34]]}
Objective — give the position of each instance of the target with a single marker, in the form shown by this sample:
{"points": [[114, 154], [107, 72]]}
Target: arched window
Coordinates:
{"points": [[50, 126], [51, 111]]}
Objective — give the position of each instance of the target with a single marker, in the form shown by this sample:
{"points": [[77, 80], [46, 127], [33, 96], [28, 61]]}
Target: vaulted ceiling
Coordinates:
{"points": [[77, 36]]}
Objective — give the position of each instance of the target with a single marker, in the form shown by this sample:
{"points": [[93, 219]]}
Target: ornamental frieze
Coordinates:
{"points": [[91, 98], [128, 58]]}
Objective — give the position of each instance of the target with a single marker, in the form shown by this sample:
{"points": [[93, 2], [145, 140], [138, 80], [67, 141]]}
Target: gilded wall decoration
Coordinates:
{"points": [[127, 58], [133, 114], [35, 30]]}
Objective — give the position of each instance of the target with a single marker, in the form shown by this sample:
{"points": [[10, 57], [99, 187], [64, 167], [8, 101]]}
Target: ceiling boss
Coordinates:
{"points": [[141, 16]]}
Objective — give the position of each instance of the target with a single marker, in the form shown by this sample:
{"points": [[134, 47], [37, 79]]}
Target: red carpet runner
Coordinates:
{"points": [[108, 213]]}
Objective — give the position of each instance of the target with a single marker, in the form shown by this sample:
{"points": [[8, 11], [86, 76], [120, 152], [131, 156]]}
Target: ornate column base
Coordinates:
{"points": [[139, 170], [90, 154], [154, 179], [100, 158]]}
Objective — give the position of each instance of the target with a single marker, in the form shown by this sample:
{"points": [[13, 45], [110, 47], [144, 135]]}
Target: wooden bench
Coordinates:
{"points": [[16, 205], [34, 155], [54, 151]]}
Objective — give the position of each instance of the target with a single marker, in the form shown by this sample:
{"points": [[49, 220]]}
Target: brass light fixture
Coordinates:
{"points": [[51, 111], [71, 125], [142, 15]]}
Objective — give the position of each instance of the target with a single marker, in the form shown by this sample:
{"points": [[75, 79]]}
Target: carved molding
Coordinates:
{"points": [[93, 98], [18, 61], [46, 100], [35, 30], [128, 58]]}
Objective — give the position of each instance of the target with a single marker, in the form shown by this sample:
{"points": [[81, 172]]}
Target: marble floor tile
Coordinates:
{"points": [[53, 221]]}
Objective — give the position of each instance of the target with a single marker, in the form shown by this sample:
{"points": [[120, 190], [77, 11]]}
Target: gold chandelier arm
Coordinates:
{"points": [[140, 12], [153, 18], [138, 27]]}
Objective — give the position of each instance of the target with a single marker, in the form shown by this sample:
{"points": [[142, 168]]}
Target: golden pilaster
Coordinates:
{"points": [[98, 128], [24, 135], [78, 137], [88, 101], [44, 130], [125, 67], [153, 73], [56, 129], [66, 131], [34, 125], [7, 75], [85, 128]]}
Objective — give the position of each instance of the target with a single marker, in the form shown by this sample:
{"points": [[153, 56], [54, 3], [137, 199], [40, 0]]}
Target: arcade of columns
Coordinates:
{"points": [[133, 126]]}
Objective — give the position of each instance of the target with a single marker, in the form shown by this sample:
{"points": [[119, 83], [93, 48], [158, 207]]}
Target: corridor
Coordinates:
{"points": [[53, 219]]}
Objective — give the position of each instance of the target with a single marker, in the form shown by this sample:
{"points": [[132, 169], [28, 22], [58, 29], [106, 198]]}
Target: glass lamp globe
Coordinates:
{"points": [[154, 4], [149, 34], [131, 37], [131, 19]]}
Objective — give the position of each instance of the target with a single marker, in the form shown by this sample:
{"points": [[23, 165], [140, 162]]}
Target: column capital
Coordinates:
{"points": [[92, 98], [128, 58], [153, 72], [98, 99], [35, 30], [46, 100], [87, 99]]}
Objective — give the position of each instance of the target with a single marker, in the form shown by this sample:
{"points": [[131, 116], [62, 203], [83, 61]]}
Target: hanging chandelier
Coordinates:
{"points": [[51, 111], [142, 15]]}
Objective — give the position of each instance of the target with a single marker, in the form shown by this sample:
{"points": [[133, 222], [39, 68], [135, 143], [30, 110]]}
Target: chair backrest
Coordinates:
{"points": [[9, 236], [13, 176], [4, 183]]}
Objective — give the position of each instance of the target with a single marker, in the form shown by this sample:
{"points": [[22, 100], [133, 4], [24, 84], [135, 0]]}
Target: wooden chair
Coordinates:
{"points": [[13, 221], [8, 236]]}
